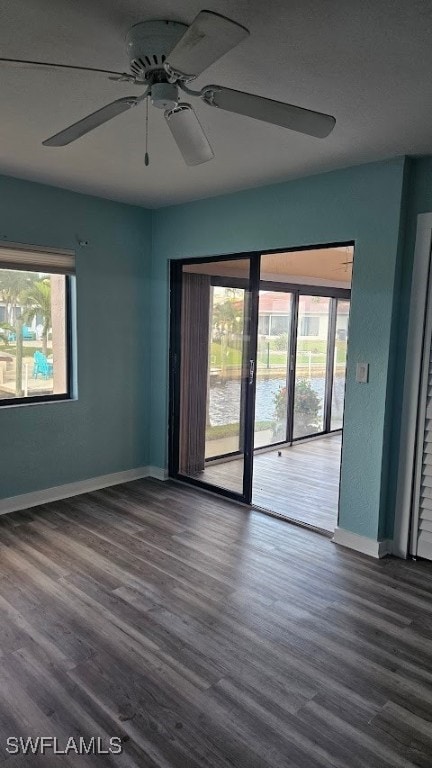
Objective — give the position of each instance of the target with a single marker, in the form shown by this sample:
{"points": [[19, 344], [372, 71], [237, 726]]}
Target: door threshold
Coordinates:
{"points": [[254, 507], [293, 521]]}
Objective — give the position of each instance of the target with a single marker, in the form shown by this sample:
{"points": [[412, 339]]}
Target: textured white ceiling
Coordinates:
{"points": [[368, 62]]}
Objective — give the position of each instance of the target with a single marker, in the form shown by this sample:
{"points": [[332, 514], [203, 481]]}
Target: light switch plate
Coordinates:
{"points": [[362, 373]]}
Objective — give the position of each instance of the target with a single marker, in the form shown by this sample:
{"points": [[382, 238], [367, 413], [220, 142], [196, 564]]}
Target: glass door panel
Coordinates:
{"points": [[215, 372], [273, 355], [225, 363], [339, 370], [311, 365]]}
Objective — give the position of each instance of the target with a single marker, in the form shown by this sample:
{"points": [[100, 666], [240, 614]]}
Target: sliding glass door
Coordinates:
{"points": [[273, 365], [311, 366], [255, 363], [301, 361], [214, 374], [339, 369]]}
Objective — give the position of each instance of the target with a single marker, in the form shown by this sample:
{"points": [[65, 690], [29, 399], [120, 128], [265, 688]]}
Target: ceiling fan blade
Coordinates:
{"points": [[90, 122], [188, 134], [208, 38], [26, 64], [286, 115]]}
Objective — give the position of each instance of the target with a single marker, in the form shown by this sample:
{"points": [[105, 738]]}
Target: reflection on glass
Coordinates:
{"points": [[311, 365], [214, 372], [224, 391], [339, 376], [274, 326]]}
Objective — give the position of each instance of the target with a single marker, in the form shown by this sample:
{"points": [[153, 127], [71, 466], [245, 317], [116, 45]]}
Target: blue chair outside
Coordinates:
{"points": [[28, 334], [41, 366]]}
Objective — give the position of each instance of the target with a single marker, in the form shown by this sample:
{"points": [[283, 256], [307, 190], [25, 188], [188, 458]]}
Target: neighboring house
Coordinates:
{"points": [[33, 324], [274, 316]]}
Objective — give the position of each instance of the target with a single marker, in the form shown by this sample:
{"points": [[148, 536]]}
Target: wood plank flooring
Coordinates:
{"points": [[207, 635], [302, 484]]}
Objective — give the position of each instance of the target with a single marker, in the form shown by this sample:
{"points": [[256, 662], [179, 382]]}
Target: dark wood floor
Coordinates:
{"points": [[302, 484], [208, 635]]}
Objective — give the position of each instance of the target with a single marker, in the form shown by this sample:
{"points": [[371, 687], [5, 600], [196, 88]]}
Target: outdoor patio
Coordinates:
{"points": [[31, 385], [302, 484]]}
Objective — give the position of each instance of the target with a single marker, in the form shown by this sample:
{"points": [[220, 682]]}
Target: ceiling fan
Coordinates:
{"points": [[164, 57]]}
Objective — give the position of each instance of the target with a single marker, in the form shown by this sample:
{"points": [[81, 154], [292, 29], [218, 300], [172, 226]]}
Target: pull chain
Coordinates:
{"points": [[146, 156]]}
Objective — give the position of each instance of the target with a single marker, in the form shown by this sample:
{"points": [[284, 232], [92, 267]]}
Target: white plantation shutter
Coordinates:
{"points": [[424, 511], [35, 259]]}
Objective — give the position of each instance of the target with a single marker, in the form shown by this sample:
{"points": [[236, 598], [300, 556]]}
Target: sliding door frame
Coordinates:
{"points": [[243, 284], [251, 333], [175, 271], [253, 285], [329, 380]]}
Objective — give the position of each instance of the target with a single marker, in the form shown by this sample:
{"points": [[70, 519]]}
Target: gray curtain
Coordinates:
{"points": [[195, 318]]}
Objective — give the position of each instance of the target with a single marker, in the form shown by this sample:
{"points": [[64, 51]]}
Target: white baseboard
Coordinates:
{"points": [[158, 473], [362, 543], [26, 500]]}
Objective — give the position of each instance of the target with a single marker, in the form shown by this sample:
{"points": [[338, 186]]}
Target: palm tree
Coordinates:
{"points": [[5, 330], [13, 285], [36, 302]]}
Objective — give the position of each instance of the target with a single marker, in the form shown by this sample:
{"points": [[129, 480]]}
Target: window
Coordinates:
{"points": [[309, 326], [34, 324], [279, 324]]}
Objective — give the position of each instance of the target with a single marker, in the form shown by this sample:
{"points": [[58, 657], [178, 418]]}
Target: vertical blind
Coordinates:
{"points": [[195, 323]]}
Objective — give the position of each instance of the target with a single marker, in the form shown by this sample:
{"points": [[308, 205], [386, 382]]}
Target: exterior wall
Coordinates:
{"points": [[106, 429], [59, 351], [322, 328], [361, 204]]}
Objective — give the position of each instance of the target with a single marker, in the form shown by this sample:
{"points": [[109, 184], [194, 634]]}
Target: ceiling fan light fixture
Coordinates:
{"points": [[164, 96], [188, 134]]}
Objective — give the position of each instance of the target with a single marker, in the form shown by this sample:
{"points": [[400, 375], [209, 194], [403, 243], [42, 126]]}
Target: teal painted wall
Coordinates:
{"points": [[120, 418], [361, 204], [106, 429]]}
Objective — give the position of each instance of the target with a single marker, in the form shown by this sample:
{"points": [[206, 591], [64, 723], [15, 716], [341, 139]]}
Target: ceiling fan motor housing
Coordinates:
{"points": [[149, 43]]}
